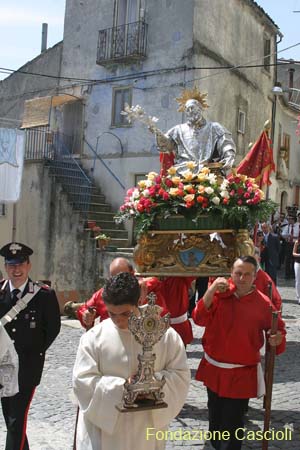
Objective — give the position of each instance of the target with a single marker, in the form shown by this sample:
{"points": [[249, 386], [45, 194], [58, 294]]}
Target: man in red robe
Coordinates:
{"points": [[95, 306], [236, 317], [175, 291]]}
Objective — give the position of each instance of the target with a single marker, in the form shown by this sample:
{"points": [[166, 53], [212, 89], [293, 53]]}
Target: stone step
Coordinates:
{"points": [[125, 249], [114, 233], [94, 198], [78, 179], [119, 242], [65, 169], [94, 208], [105, 225], [77, 186], [106, 215], [82, 194]]}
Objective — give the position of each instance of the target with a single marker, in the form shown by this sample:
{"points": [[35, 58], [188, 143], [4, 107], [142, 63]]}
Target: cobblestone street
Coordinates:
{"points": [[52, 415]]}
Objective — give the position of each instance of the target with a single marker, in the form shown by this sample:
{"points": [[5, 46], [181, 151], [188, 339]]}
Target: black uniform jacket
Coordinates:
{"points": [[32, 331]]}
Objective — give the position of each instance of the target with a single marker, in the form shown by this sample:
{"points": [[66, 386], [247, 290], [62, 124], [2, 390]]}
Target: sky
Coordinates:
{"points": [[21, 28]]}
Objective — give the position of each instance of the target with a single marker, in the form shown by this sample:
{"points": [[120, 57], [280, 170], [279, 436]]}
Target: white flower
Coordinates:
{"points": [[135, 194], [212, 178], [216, 200], [209, 190], [146, 193], [224, 185], [224, 194], [149, 183]]}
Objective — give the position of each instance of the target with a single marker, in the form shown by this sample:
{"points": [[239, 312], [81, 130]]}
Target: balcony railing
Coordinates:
{"points": [[124, 43]]}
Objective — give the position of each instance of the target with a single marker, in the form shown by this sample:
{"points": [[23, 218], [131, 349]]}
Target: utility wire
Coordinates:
{"points": [[144, 73]]}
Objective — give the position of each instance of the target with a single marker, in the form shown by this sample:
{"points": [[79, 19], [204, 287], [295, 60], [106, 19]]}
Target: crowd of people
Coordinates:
{"points": [[278, 246], [235, 312]]}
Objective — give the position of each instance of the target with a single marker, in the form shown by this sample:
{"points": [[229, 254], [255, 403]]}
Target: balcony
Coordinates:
{"points": [[123, 44]]}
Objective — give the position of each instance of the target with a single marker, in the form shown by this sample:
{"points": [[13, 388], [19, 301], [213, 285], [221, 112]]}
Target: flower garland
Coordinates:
{"points": [[236, 199]]}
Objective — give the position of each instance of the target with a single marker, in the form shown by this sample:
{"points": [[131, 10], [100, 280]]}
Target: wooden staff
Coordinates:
{"points": [[269, 380], [267, 351], [91, 310]]}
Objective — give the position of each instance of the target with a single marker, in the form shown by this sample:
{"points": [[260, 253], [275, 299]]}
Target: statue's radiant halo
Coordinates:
{"points": [[191, 94]]}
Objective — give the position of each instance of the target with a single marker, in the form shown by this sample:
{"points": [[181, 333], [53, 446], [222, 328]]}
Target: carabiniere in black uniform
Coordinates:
{"points": [[32, 332]]}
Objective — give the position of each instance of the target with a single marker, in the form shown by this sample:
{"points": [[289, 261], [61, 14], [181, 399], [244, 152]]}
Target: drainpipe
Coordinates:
{"points": [[44, 37], [274, 104]]}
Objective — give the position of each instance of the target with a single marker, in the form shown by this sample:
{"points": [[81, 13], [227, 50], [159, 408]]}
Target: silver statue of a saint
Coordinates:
{"points": [[197, 140]]}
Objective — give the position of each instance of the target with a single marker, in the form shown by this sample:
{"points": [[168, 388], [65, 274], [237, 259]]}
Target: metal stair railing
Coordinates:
{"points": [[76, 182], [96, 155]]}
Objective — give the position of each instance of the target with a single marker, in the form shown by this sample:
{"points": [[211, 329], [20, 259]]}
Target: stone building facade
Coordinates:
{"points": [[138, 52]]}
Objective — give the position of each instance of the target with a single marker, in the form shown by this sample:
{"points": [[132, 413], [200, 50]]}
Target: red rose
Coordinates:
{"points": [[190, 204], [152, 191]]}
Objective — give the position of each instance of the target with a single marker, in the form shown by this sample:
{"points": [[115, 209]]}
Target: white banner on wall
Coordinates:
{"points": [[12, 144]]}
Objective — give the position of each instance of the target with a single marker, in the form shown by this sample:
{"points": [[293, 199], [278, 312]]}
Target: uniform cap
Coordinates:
{"points": [[15, 253]]}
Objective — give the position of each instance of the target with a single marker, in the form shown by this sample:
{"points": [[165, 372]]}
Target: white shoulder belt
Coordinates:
{"points": [[19, 306]]}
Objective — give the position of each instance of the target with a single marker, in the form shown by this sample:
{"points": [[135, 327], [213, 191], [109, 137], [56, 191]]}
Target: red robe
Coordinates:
{"points": [[96, 301], [234, 333], [262, 282], [175, 291]]}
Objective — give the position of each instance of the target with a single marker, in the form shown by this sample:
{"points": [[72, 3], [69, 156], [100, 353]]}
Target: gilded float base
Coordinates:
{"points": [[190, 252]]}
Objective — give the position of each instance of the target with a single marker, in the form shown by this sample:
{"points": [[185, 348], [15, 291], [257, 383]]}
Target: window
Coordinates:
{"points": [[138, 177], [126, 11], [267, 53], [241, 122], [72, 117], [2, 209], [121, 96]]}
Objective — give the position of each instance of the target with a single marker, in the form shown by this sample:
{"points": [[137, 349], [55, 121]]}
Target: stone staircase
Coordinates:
{"points": [[87, 199]]}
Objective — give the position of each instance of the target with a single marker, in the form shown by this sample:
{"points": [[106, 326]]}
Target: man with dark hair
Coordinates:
{"points": [[290, 234], [30, 313], [106, 358], [271, 252], [235, 316]]}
